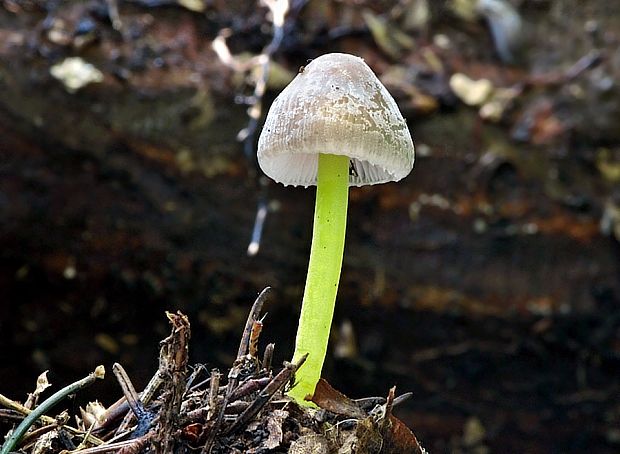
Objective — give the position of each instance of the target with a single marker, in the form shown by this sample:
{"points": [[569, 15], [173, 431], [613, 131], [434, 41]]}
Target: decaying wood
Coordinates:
{"points": [[173, 361]]}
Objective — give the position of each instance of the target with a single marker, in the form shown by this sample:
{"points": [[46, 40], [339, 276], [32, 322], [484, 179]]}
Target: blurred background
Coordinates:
{"points": [[487, 282]]}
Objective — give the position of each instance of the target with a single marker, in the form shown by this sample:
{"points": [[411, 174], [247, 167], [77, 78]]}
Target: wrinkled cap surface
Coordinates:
{"points": [[335, 105]]}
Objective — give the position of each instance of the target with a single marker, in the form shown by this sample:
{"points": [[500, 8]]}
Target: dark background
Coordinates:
{"points": [[487, 282]]}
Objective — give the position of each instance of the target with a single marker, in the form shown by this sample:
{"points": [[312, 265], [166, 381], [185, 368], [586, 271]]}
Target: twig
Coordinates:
{"points": [[589, 61], [249, 387], [252, 317], [120, 407], [278, 10], [402, 398], [127, 446], [367, 403], [82, 444], [389, 404], [8, 415], [235, 370], [235, 406], [17, 407], [276, 384], [259, 222], [257, 328], [145, 397], [133, 400], [190, 386], [47, 404], [268, 357], [128, 391], [213, 393], [34, 434], [233, 379], [173, 359]]}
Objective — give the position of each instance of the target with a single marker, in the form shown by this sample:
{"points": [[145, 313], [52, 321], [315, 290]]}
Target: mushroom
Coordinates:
{"points": [[334, 126]]}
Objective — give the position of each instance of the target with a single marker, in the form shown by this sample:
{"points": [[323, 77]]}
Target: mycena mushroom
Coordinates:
{"points": [[334, 126]]}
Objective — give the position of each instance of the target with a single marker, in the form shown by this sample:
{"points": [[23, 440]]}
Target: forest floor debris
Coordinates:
{"points": [[187, 409]]}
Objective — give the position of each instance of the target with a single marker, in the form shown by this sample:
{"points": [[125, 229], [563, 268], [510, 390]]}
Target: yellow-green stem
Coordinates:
{"points": [[317, 310]]}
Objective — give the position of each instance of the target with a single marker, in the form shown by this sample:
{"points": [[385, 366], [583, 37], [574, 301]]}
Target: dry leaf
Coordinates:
{"points": [[329, 399]]}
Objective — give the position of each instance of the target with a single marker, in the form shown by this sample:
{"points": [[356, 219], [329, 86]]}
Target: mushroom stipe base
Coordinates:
{"points": [[330, 221]]}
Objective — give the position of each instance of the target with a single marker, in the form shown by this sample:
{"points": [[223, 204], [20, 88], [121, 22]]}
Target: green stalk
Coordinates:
{"points": [[47, 404], [317, 310]]}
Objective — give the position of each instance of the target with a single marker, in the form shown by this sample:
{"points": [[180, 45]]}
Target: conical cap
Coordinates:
{"points": [[335, 105]]}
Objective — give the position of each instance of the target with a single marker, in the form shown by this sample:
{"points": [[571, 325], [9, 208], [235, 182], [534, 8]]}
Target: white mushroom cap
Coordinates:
{"points": [[336, 105]]}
